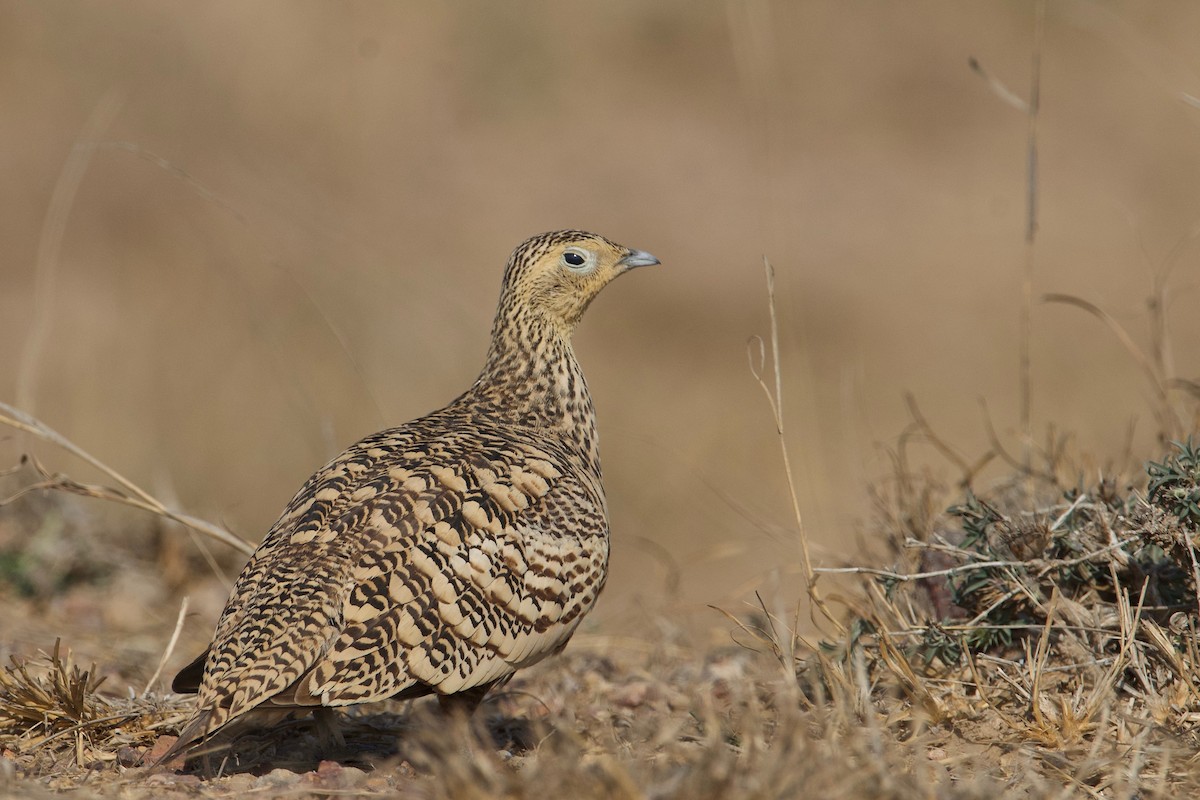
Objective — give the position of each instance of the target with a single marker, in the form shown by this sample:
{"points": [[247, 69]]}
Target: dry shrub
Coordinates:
{"points": [[1051, 621]]}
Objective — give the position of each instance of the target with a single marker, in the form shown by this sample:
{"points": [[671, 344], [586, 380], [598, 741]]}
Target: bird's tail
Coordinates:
{"points": [[198, 726]]}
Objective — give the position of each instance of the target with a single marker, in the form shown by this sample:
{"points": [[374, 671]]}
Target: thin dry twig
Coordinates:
{"points": [[775, 401], [1031, 109], [998, 87], [1024, 467], [1031, 227], [967, 471], [1045, 565], [130, 493], [166, 656], [1167, 420]]}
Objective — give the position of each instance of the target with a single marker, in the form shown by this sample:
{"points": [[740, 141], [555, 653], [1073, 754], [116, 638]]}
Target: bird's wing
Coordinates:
{"points": [[492, 570], [447, 564]]}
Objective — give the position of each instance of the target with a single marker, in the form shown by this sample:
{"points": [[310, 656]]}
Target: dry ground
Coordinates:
{"points": [[1036, 640]]}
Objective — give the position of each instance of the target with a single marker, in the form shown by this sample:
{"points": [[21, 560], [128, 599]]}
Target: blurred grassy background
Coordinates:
{"points": [[322, 256]]}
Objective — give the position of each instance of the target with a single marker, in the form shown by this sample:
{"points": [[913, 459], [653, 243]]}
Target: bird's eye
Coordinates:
{"points": [[577, 259]]}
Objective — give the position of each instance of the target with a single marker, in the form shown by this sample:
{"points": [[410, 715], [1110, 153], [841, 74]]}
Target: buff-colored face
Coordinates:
{"points": [[559, 274]]}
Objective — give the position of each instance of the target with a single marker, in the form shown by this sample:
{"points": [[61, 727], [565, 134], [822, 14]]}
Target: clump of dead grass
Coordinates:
{"points": [[1055, 621], [53, 708]]}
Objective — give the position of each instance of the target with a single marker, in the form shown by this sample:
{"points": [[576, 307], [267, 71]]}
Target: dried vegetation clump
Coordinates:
{"points": [[53, 716], [1053, 624]]}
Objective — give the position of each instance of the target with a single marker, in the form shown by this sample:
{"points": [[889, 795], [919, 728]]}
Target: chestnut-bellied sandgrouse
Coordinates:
{"points": [[442, 555]]}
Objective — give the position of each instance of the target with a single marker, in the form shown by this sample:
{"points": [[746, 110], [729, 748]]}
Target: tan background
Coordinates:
{"points": [[295, 233]]}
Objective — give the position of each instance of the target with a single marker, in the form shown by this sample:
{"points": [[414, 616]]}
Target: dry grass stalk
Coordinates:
{"points": [[1152, 365], [774, 395], [174, 640], [129, 493]]}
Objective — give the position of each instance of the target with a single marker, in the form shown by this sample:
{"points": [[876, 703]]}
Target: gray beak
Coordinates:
{"points": [[639, 258]]}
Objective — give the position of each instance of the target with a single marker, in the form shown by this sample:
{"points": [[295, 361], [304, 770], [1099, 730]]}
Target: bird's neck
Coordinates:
{"points": [[531, 379]]}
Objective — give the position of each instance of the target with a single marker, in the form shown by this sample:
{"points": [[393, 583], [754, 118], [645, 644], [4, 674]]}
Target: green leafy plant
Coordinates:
{"points": [[1175, 482]]}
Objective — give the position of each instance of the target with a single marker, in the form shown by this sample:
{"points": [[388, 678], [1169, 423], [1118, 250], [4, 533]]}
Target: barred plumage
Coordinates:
{"points": [[442, 555]]}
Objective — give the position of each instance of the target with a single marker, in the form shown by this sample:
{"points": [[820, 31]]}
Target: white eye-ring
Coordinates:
{"points": [[577, 259]]}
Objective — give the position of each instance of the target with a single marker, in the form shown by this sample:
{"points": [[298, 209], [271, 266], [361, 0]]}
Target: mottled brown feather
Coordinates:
{"points": [[442, 555]]}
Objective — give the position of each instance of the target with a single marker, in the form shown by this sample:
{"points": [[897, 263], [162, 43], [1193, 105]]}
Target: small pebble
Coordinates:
{"points": [[352, 776], [332, 775], [161, 745], [278, 777], [242, 782], [378, 782]]}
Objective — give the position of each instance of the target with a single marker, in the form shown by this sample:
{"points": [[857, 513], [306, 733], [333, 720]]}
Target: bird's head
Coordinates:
{"points": [[553, 277]]}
